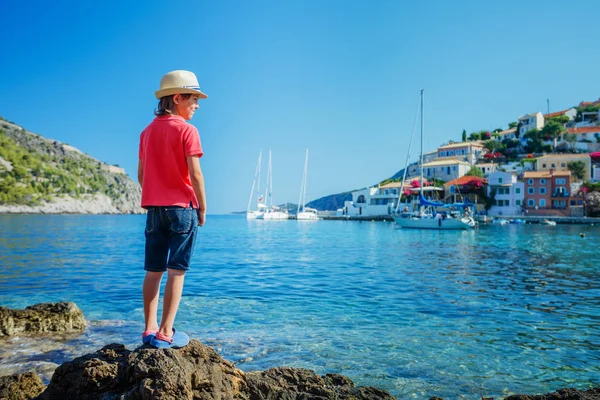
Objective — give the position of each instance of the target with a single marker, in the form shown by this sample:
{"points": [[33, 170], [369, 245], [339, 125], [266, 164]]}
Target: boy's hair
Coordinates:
{"points": [[166, 104]]}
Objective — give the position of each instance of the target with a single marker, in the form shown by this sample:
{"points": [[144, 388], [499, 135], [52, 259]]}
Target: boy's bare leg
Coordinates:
{"points": [[150, 292], [173, 290]]}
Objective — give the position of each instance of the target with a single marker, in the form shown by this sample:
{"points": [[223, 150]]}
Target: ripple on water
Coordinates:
{"points": [[486, 312]]}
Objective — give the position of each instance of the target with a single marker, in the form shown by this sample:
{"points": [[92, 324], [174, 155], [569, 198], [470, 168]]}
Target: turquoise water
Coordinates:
{"points": [[497, 310]]}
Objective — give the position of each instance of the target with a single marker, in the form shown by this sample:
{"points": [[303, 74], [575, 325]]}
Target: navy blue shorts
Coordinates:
{"points": [[170, 238]]}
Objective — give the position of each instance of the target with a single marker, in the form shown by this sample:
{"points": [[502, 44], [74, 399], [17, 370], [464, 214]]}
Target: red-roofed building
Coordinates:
{"points": [[571, 113], [465, 188], [588, 138], [589, 103]]}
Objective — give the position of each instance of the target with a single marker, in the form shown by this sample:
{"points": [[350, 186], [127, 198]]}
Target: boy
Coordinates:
{"points": [[173, 193]]}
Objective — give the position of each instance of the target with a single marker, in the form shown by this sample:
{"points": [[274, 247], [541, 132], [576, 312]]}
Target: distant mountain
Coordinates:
{"points": [[47, 176], [336, 201], [331, 202]]}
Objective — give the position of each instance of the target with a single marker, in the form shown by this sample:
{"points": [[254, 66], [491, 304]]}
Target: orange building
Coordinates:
{"points": [[548, 193]]}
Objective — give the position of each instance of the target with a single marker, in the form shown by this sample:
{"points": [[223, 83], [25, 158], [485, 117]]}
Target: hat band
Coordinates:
{"points": [[191, 87]]}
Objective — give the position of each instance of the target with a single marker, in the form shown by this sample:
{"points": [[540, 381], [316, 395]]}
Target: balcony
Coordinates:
{"points": [[560, 194]]}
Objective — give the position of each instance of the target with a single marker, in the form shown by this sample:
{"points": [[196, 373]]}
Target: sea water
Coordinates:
{"points": [[486, 312]]}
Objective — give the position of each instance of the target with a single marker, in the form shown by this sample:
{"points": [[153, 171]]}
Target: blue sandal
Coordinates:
{"points": [[178, 340]]}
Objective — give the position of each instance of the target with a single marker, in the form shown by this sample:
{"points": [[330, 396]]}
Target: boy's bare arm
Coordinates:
{"points": [[140, 172], [197, 179]]}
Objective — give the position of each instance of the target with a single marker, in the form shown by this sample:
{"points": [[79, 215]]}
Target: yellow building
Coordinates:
{"points": [[560, 162]]}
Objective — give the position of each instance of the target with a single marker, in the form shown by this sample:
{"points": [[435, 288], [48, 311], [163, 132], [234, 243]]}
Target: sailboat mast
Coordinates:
{"points": [[305, 180], [302, 198], [270, 180], [256, 174], [301, 191], [422, 119], [258, 178]]}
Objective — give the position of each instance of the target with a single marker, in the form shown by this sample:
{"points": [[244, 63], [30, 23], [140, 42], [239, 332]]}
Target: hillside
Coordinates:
{"points": [[39, 175]]}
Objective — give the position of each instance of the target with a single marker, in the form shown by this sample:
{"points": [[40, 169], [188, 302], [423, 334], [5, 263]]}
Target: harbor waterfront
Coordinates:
{"points": [[486, 312]]}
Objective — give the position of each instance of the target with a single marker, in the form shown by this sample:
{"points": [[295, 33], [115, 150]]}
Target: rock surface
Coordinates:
{"points": [[21, 387], [561, 394], [87, 204], [41, 318], [194, 372]]}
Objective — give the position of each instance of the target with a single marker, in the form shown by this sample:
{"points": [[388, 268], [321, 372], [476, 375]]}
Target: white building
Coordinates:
{"points": [[587, 139], [509, 194], [571, 113], [467, 151], [373, 201], [431, 156], [445, 169], [529, 122], [487, 168], [507, 134]]}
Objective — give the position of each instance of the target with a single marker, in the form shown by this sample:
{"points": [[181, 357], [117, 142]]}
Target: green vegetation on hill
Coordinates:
{"points": [[34, 169]]}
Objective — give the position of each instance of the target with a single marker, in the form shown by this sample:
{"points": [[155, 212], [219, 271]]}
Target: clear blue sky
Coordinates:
{"points": [[341, 78]]}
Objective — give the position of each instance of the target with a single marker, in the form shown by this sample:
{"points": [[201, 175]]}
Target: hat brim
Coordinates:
{"points": [[170, 91]]}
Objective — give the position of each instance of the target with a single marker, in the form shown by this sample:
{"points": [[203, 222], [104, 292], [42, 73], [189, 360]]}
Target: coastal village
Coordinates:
{"points": [[543, 165]]}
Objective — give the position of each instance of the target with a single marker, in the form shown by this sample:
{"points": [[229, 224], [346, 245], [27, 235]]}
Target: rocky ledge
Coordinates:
{"points": [[194, 372], [42, 318]]}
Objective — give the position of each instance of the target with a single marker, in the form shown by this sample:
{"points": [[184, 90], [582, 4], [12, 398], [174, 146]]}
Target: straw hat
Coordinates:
{"points": [[179, 82]]}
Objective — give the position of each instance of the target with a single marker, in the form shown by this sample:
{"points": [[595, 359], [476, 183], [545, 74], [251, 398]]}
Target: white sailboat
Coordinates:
{"points": [[272, 212], [305, 213], [430, 214], [260, 206]]}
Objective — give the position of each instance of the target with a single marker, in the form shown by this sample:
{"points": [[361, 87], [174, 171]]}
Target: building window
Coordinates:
{"points": [[531, 203], [563, 165], [542, 190], [530, 181], [560, 181], [518, 202], [454, 168], [386, 192], [544, 165], [531, 190], [499, 180], [361, 199], [542, 181], [542, 203], [552, 165], [517, 190]]}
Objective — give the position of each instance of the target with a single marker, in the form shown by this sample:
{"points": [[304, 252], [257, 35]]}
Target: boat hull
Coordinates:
{"points": [[307, 216], [435, 223], [275, 216], [254, 214]]}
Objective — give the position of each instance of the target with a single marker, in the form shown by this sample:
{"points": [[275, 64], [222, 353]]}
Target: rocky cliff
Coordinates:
{"points": [[40, 175]]}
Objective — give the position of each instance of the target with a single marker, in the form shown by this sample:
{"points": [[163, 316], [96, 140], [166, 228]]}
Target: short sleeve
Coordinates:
{"points": [[191, 142]]}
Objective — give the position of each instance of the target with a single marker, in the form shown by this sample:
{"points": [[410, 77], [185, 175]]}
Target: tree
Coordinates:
{"points": [[475, 171], [571, 139], [474, 136], [512, 125], [534, 141], [561, 119], [592, 204], [552, 131], [464, 136], [587, 109], [577, 168]]}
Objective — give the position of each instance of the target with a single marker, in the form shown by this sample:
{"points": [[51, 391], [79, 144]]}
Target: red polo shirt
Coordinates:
{"points": [[164, 146]]}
